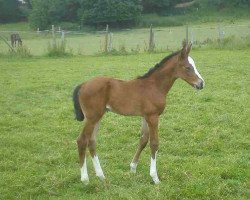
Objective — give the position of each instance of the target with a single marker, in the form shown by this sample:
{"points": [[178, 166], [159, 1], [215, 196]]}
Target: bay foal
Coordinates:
{"points": [[144, 96]]}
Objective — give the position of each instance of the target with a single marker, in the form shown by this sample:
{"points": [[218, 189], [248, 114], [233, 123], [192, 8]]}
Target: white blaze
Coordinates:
{"points": [[191, 61]]}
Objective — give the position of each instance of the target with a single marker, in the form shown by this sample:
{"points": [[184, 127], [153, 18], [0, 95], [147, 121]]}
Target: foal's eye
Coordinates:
{"points": [[188, 68]]}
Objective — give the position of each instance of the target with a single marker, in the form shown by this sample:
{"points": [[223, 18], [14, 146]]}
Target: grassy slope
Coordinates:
{"points": [[204, 137]]}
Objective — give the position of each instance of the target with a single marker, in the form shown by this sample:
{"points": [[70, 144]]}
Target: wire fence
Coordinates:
{"points": [[78, 42]]}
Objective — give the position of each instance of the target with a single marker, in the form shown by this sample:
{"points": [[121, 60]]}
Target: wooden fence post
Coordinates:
{"points": [[192, 39], [151, 45], [63, 37], [106, 38], [110, 42], [53, 37], [187, 34], [221, 33]]}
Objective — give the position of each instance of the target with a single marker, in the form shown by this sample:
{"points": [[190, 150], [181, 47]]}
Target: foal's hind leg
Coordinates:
{"points": [[143, 142], [92, 150], [82, 142]]}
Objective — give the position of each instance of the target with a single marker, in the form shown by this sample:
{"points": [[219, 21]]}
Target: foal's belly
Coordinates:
{"points": [[124, 106]]}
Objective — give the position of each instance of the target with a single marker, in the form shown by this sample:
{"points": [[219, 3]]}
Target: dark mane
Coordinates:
{"points": [[158, 65]]}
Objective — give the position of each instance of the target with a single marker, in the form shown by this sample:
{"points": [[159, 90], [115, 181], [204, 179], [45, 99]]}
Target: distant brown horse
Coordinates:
{"points": [[144, 96], [15, 38]]}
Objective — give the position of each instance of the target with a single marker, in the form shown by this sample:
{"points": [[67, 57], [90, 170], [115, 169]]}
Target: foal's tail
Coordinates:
{"points": [[77, 107]]}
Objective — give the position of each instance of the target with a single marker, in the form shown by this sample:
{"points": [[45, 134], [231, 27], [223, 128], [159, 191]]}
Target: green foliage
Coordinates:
{"points": [[23, 51], [68, 26], [39, 16], [19, 52], [46, 13], [221, 4], [113, 12], [160, 21], [9, 11], [157, 6], [95, 12], [167, 7], [57, 50], [226, 43]]}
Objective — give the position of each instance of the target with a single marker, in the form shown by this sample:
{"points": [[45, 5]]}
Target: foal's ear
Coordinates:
{"points": [[186, 49], [189, 48]]}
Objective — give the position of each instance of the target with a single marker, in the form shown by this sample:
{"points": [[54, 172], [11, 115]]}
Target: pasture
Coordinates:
{"points": [[204, 136], [135, 40]]}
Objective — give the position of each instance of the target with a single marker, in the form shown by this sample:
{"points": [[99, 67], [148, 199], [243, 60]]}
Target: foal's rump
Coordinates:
{"points": [[90, 98]]}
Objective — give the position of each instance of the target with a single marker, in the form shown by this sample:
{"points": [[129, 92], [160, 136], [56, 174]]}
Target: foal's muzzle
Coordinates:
{"points": [[199, 85]]}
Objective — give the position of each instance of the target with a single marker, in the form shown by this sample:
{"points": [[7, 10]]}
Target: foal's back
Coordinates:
{"points": [[133, 97]]}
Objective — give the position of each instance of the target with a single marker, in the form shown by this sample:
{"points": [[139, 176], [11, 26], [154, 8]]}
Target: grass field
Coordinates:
{"points": [[90, 43], [204, 136]]}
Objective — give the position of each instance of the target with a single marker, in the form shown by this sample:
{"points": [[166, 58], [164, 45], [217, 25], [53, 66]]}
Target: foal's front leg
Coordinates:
{"points": [[154, 144]]}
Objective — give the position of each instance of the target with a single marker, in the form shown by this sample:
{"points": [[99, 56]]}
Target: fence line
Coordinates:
{"points": [[159, 38], [104, 31]]}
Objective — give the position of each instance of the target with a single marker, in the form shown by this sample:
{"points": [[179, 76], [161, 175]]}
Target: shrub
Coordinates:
{"points": [[45, 13], [20, 52], [57, 50], [227, 43], [113, 12]]}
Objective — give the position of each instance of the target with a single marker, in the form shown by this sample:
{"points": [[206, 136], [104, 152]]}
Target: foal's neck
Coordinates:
{"points": [[165, 76]]}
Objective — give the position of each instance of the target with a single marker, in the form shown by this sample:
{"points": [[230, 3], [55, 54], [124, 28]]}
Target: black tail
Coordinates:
{"points": [[77, 107]]}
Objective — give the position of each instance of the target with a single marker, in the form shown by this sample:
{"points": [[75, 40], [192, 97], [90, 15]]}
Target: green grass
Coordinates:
{"points": [[204, 136], [134, 39], [19, 26]]}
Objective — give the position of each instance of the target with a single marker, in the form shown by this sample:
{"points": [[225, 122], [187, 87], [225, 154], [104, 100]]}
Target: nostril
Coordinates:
{"points": [[201, 85]]}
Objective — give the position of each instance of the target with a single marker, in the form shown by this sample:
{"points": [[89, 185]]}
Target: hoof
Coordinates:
{"points": [[156, 182], [102, 177], [155, 178], [85, 181], [133, 167], [133, 170]]}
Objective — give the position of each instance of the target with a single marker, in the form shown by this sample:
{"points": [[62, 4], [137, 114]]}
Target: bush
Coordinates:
{"points": [[112, 12], [227, 43], [68, 26], [9, 11], [147, 19], [57, 50], [20, 51], [39, 16], [45, 13]]}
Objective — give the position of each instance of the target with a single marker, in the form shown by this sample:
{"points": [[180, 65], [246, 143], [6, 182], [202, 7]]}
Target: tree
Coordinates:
{"points": [[44, 13], [9, 10], [39, 16], [113, 12], [28, 3]]}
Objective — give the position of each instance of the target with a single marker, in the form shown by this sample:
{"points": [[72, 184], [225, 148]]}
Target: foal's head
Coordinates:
{"points": [[186, 69]]}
